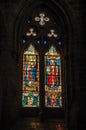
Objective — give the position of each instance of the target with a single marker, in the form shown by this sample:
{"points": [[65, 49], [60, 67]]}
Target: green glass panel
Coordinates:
{"points": [[30, 99], [30, 95]]}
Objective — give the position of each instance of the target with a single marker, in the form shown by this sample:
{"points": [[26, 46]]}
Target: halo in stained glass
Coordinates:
{"points": [[53, 86], [30, 94]]}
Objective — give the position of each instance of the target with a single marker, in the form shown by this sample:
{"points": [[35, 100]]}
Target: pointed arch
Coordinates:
{"points": [[63, 19], [30, 84], [53, 85]]}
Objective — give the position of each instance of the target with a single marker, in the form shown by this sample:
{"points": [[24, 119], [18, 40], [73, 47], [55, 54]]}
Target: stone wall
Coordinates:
{"points": [[10, 92]]}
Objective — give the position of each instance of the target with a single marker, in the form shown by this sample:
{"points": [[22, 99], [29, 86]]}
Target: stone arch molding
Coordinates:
{"points": [[61, 8], [65, 14]]}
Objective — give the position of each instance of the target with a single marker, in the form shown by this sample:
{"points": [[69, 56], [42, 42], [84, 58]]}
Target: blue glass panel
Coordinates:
{"points": [[53, 88], [30, 99], [30, 78]]}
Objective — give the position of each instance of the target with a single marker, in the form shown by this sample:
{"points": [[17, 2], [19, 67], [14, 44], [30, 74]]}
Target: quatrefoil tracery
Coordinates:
{"points": [[42, 19]]}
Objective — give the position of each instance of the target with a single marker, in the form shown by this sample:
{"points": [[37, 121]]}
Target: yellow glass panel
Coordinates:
{"points": [[30, 94]]}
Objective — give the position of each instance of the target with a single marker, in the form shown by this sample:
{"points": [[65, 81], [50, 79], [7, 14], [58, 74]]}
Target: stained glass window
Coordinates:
{"points": [[41, 79], [53, 87], [30, 94]]}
